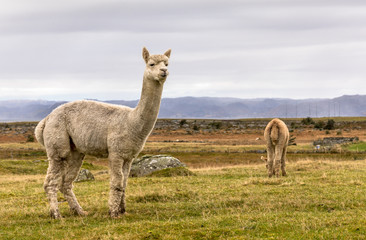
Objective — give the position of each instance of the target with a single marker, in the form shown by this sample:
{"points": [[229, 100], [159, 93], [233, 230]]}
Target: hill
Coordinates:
{"points": [[209, 108]]}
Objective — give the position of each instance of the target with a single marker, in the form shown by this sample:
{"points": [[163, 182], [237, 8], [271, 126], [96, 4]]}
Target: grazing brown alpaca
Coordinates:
{"points": [[276, 136], [88, 127]]}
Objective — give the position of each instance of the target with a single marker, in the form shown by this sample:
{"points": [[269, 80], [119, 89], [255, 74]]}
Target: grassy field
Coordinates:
{"points": [[200, 155], [228, 197], [320, 199], [357, 147]]}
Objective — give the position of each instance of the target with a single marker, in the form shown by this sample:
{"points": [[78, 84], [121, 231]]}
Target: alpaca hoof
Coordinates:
{"points": [[80, 212], [83, 213], [55, 214], [122, 211], [115, 214]]}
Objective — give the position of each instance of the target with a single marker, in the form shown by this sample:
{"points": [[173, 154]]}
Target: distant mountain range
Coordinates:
{"points": [[209, 107]]}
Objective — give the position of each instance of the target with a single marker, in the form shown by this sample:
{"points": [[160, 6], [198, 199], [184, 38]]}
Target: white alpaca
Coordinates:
{"points": [[87, 127], [276, 136]]}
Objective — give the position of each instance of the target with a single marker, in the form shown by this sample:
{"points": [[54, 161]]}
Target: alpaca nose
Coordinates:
{"points": [[164, 69]]}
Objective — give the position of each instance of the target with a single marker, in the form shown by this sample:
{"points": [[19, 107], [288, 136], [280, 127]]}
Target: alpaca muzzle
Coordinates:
{"points": [[164, 73]]}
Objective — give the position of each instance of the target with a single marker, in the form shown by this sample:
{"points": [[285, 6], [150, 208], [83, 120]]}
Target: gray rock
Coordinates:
{"points": [[147, 164], [84, 175], [331, 141]]}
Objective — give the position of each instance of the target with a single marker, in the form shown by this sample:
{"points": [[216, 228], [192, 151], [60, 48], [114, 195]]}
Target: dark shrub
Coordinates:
{"points": [[330, 125], [307, 121], [319, 125], [182, 122], [30, 138]]}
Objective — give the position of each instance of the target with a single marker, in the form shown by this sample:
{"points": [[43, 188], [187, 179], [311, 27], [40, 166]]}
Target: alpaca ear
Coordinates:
{"points": [[167, 53], [145, 54]]}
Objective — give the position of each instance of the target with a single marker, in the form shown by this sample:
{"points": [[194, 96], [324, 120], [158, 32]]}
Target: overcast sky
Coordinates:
{"points": [[77, 49]]}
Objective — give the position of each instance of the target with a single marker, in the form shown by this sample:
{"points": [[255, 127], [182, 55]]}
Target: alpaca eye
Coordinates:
{"points": [[152, 64]]}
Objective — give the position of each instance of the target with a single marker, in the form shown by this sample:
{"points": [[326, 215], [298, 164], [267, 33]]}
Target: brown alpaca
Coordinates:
{"points": [[276, 136], [87, 127]]}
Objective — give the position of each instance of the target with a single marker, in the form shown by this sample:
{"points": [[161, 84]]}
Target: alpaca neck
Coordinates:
{"points": [[147, 110]]}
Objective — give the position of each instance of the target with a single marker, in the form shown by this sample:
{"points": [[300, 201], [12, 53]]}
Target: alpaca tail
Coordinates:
{"points": [[275, 133], [39, 131]]}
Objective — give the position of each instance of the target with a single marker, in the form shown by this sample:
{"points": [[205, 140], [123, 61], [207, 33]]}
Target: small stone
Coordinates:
{"points": [[84, 175]]}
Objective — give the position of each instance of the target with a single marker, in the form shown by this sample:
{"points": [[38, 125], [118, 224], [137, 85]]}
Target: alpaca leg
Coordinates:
{"points": [[74, 163], [270, 158], [277, 160], [115, 195], [126, 172], [52, 184], [283, 161]]}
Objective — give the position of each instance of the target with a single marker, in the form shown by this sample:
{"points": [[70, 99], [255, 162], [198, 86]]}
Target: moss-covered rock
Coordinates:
{"points": [[148, 164], [172, 172]]}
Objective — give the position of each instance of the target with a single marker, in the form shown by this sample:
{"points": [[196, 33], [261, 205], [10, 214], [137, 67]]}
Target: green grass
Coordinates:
{"points": [[318, 200], [33, 167], [356, 147]]}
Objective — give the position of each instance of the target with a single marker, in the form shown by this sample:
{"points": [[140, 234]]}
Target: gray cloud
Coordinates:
{"points": [[252, 48]]}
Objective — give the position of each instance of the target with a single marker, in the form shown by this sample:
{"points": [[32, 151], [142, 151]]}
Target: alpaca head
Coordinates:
{"points": [[156, 66]]}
